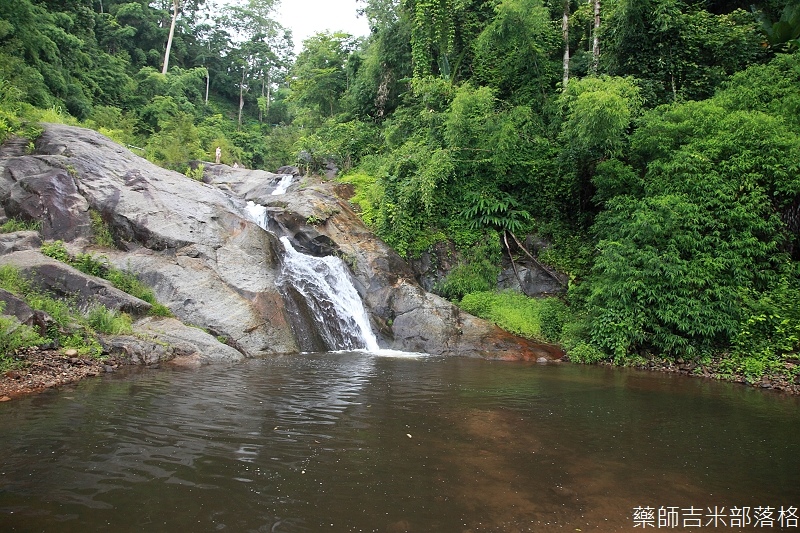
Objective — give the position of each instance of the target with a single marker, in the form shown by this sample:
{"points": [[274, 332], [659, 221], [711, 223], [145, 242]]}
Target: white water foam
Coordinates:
{"points": [[326, 280], [283, 185], [258, 214]]}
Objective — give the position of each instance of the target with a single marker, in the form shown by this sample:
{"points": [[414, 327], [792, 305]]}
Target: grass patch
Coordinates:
{"points": [[56, 250], [541, 319], [13, 224], [108, 321], [99, 266], [102, 231], [69, 328], [12, 281], [15, 336], [91, 264]]}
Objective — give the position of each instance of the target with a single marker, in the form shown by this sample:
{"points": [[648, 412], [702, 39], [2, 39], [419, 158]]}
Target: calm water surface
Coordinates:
{"points": [[357, 442]]}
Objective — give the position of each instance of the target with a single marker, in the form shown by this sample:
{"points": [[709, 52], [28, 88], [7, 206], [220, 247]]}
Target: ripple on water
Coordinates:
{"points": [[375, 441]]}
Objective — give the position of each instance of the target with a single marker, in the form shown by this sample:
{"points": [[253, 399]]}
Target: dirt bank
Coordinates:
{"points": [[44, 369]]}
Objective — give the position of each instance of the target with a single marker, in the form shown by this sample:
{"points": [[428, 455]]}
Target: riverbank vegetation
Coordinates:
{"points": [[651, 147]]}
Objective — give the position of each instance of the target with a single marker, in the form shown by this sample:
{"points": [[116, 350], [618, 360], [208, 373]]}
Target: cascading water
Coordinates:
{"points": [[324, 283], [283, 184], [322, 293]]}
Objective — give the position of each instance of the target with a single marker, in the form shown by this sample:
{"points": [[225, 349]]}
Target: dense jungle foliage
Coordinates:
{"points": [[655, 144]]}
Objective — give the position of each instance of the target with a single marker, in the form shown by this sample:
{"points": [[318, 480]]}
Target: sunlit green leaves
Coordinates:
{"points": [[597, 115]]}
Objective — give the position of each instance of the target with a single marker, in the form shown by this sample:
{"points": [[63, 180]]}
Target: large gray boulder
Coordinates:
{"points": [[188, 240], [18, 241], [64, 281], [156, 340]]}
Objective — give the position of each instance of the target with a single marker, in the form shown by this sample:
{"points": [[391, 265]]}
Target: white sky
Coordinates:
{"points": [[307, 17]]}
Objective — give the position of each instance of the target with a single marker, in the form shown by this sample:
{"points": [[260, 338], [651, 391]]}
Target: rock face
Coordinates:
{"points": [[405, 317], [189, 241], [168, 339], [195, 245], [64, 281]]}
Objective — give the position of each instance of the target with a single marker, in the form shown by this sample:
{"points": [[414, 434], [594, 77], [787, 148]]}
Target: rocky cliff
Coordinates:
{"points": [[195, 245]]}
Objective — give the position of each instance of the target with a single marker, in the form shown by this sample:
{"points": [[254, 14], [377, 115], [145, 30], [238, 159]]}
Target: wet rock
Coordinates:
{"points": [[405, 316], [193, 243]]}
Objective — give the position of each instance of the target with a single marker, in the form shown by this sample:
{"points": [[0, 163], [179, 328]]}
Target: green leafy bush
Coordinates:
{"points": [[196, 173], [553, 315], [91, 264], [102, 232], [585, 353], [56, 250], [478, 272]]}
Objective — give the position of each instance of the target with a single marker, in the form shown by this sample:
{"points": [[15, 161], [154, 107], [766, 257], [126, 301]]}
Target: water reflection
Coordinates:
{"points": [[358, 442]]}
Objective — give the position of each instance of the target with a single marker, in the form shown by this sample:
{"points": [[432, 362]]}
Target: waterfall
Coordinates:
{"points": [[322, 293], [258, 214], [283, 184], [324, 283]]}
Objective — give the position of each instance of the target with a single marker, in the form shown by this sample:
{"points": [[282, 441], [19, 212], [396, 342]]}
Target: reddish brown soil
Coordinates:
{"points": [[43, 369]]}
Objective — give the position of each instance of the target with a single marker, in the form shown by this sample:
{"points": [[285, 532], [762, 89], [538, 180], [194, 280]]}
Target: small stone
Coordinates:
{"points": [[74, 361], [4, 398], [108, 368], [72, 352], [542, 360]]}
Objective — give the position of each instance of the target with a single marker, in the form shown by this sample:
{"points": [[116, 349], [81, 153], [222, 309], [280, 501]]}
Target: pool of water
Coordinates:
{"points": [[362, 442]]}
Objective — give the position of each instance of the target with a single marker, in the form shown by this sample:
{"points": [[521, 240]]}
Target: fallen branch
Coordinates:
{"points": [[540, 265]]}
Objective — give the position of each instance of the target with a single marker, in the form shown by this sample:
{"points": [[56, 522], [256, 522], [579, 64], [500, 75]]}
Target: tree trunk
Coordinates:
{"points": [[268, 91], [596, 38], [565, 31], [175, 6], [536, 261], [208, 82], [241, 96]]}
